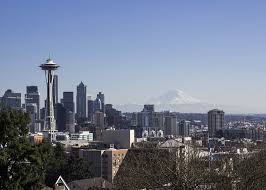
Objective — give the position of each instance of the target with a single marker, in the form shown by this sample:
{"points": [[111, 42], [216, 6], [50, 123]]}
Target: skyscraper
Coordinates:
{"points": [[148, 108], [97, 105], [32, 96], [90, 110], [11, 100], [34, 126], [171, 125], [68, 101], [146, 117], [55, 90], [81, 100], [70, 122], [113, 116], [183, 128], [60, 116], [158, 121], [215, 121], [98, 119], [134, 119], [100, 96]]}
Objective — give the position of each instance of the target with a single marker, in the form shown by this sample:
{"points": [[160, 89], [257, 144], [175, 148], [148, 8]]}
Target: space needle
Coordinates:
{"points": [[50, 125]]}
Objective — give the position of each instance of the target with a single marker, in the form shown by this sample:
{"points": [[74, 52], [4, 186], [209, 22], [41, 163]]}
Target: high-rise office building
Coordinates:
{"points": [[97, 105], [98, 119], [158, 121], [32, 111], [139, 119], [60, 116], [146, 117], [148, 108], [183, 128], [81, 100], [55, 89], [100, 96], [90, 110], [32, 107], [134, 119], [32, 96], [34, 125], [113, 116], [42, 113], [70, 121], [11, 100], [68, 101], [170, 125], [215, 121], [42, 117]]}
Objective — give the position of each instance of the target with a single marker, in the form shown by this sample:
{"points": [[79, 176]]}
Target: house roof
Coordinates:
{"points": [[93, 182], [61, 182], [171, 144]]}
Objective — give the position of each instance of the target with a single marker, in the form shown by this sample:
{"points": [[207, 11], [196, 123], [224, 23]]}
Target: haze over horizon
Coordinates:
{"points": [[135, 51]]}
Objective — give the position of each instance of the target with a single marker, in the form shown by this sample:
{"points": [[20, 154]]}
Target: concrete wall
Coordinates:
{"points": [[122, 138]]}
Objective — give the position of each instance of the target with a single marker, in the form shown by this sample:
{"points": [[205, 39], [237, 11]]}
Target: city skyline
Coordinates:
{"points": [[155, 47], [144, 94]]}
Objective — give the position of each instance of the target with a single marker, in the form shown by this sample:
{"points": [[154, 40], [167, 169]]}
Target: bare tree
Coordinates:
{"points": [[156, 168], [251, 171]]}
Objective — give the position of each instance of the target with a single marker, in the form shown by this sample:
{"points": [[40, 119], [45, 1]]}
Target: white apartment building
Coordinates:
{"points": [[84, 135]]}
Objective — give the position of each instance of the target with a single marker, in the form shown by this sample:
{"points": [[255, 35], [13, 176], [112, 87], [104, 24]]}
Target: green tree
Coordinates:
{"points": [[21, 163], [27, 166], [69, 167]]}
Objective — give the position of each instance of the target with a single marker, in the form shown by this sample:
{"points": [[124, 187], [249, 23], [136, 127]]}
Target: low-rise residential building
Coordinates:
{"points": [[104, 163], [112, 159], [36, 138]]}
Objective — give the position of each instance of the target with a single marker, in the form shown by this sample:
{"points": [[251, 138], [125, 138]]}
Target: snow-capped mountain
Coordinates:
{"points": [[174, 97], [173, 100], [179, 101]]}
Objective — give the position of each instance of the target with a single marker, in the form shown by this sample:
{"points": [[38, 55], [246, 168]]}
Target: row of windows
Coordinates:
{"points": [[115, 155]]}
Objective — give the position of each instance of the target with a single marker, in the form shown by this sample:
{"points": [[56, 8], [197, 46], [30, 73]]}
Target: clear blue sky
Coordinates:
{"points": [[133, 50]]}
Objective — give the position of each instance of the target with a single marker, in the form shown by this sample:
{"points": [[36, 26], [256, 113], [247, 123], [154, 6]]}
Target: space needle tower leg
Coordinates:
{"points": [[50, 120]]}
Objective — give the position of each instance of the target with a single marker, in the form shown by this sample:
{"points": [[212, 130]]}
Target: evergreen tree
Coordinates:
{"points": [[21, 163], [69, 167]]}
